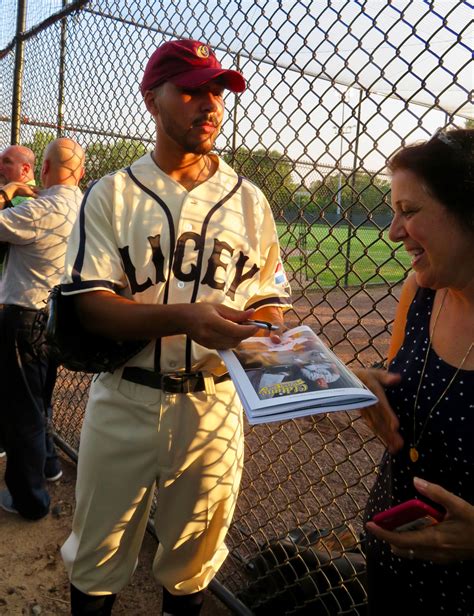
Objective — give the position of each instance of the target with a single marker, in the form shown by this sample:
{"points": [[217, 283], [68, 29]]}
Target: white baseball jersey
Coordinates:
{"points": [[143, 235]]}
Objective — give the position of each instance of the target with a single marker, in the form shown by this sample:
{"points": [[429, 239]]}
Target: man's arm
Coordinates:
{"points": [[214, 326], [15, 189]]}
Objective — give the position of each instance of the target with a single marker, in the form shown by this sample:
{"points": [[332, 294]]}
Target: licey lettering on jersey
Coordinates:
{"points": [[192, 243], [211, 255]]}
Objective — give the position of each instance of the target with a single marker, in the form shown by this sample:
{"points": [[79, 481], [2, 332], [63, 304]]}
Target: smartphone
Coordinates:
{"points": [[411, 515]]}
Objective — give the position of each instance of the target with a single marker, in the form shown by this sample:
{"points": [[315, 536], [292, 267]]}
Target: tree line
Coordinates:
{"points": [[334, 195]]}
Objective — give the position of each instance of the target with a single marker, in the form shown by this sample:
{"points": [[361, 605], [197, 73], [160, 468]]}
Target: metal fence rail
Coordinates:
{"points": [[334, 88]]}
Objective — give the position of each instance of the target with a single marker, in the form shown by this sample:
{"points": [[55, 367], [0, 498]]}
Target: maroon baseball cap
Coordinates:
{"points": [[187, 64]]}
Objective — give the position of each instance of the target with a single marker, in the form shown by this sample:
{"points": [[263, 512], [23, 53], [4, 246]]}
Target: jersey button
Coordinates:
{"points": [[180, 284], [188, 227]]}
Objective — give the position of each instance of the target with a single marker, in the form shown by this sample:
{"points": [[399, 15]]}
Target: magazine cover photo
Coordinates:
{"points": [[301, 363], [298, 376]]}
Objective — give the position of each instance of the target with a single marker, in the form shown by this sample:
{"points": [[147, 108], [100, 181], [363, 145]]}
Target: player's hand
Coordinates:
{"points": [[449, 541], [380, 417], [18, 189], [216, 326]]}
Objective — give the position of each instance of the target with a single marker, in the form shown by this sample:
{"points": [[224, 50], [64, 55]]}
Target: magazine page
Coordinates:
{"points": [[300, 373]]}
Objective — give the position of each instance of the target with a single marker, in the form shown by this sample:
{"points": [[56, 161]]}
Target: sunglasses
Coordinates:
{"points": [[441, 135]]}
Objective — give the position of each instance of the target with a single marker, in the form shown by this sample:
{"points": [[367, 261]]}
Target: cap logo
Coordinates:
{"points": [[203, 51]]}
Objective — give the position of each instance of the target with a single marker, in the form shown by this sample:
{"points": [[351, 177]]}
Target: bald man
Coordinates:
{"points": [[17, 164], [37, 231]]}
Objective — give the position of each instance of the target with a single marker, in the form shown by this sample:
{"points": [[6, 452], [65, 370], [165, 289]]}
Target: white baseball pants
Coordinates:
{"points": [[133, 437]]}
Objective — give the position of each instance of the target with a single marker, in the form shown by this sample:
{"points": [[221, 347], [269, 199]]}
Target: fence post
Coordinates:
{"points": [[353, 185], [18, 72], [234, 116], [62, 68]]}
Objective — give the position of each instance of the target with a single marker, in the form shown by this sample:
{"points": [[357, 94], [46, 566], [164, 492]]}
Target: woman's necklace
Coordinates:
{"points": [[414, 455]]}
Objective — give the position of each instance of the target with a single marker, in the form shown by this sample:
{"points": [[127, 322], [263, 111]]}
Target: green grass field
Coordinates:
{"points": [[319, 255]]}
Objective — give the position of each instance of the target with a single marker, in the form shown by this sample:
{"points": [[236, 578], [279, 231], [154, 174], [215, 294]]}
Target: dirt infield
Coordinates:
{"points": [[316, 471], [33, 580], [354, 322]]}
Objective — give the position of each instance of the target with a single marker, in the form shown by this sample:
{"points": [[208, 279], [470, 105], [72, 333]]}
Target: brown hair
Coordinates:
{"points": [[445, 164]]}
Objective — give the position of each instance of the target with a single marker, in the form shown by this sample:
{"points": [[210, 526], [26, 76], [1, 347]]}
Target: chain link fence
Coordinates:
{"points": [[334, 88]]}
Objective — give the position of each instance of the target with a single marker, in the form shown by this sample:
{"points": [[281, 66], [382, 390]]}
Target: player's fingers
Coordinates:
{"points": [[236, 316], [382, 414], [236, 332], [226, 334]]}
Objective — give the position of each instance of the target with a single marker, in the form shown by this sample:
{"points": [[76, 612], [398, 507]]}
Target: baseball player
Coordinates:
{"points": [[179, 250]]}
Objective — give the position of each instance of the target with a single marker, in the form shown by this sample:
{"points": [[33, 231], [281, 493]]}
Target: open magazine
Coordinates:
{"points": [[299, 376]]}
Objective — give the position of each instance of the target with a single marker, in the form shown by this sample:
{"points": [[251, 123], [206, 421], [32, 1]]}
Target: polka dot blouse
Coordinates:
{"points": [[446, 457]]}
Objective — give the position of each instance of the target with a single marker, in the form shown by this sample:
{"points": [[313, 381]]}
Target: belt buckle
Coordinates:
{"points": [[178, 382]]}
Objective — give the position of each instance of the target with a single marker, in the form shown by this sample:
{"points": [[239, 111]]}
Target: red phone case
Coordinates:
{"points": [[410, 515]]}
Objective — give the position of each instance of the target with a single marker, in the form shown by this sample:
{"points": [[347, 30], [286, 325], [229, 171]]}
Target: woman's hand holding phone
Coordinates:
{"points": [[410, 515], [450, 540]]}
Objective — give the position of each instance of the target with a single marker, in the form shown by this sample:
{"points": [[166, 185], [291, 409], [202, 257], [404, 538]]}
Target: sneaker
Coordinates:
{"points": [[56, 477], [6, 501]]}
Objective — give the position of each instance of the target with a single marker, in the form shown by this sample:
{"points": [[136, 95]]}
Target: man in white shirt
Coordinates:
{"points": [[37, 231]]}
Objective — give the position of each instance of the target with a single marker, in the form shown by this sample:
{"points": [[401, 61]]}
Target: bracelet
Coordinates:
{"points": [[4, 195]]}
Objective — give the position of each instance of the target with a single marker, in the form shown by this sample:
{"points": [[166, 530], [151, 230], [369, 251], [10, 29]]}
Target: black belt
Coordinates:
{"points": [[176, 383]]}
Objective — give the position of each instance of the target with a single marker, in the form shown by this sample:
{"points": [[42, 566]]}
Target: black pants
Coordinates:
{"points": [[22, 413], [52, 465]]}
